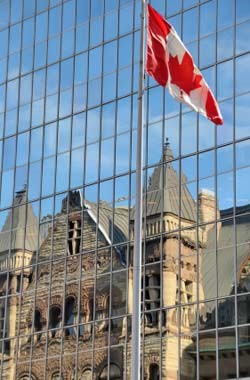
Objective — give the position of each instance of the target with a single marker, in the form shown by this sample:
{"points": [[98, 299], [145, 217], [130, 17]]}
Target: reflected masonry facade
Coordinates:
{"points": [[68, 108]]}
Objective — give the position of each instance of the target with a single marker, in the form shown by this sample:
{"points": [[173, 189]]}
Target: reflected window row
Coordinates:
{"points": [[96, 10], [225, 82], [103, 53], [80, 37]]}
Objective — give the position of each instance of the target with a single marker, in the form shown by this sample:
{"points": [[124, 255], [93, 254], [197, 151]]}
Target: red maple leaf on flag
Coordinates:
{"points": [[183, 74]]}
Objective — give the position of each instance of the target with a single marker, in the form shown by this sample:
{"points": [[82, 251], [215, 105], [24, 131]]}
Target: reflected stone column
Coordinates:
{"points": [[129, 300], [169, 289], [11, 323], [12, 311]]}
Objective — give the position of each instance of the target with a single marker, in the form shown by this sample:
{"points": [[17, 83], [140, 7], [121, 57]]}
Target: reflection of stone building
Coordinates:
{"points": [[60, 293], [169, 280], [73, 295]]}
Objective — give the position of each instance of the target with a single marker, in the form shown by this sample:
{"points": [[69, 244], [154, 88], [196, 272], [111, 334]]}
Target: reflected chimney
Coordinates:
{"points": [[208, 208]]}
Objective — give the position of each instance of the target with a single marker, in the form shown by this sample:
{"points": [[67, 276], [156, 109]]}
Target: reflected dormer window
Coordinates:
{"points": [[69, 316], [54, 319], [74, 237], [38, 323]]}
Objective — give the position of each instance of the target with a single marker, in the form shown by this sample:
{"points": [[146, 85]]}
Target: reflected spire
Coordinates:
{"points": [[21, 196], [167, 151]]}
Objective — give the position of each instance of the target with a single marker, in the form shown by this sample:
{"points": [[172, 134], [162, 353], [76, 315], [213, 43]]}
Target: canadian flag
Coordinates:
{"points": [[172, 66]]}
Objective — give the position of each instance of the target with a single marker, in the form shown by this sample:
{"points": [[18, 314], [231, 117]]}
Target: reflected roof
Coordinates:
{"points": [[20, 215], [166, 177], [225, 256], [113, 227], [105, 220]]}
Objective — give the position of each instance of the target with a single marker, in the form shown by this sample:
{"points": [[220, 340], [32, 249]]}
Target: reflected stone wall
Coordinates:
{"points": [[66, 305]]}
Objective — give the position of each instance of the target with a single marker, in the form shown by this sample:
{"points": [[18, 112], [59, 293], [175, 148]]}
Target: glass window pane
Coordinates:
{"points": [[53, 50], [54, 27], [15, 38], [34, 180], [225, 46], [66, 73], [7, 183], [68, 14], [14, 65], [126, 19], [52, 79], [28, 32], [225, 13], [39, 84], [95, 63], [83, 10], [50, 139], [80, 68], [37, 112], [48, 176], [225, 80], [41, 26], [190, 25], [9, 153], [82, 33], [62, 172], [207, 19], [77, 164], [110, 25], [67, 43], [242, 80], [4, 44], [242, 10], [241, 116], [10, 122], [28, 8], [36, 144], [12, 94], [22, 149], [78, 130], [64, 135], [25, 89], [40, 55]]}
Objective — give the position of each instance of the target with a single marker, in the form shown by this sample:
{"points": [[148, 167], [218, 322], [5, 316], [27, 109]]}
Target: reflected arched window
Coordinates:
{"points": [[86, 316], [114, 373], [154, 372], [54, 318], [69, 316], [87, 374], [38, 323]]}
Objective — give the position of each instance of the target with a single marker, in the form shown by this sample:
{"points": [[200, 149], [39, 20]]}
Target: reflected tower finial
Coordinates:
{"points": [[167, 152]]}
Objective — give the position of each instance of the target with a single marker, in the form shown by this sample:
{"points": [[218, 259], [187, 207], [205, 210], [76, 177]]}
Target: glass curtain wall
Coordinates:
{"points": [[68, 118]]}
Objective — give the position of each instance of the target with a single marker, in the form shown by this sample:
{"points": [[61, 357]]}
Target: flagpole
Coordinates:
{"points": [[137, 257]]}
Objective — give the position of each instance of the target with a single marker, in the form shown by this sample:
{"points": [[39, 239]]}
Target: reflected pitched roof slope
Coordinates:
{"points": [[105, 220], [226, 255], [20, 215]]}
